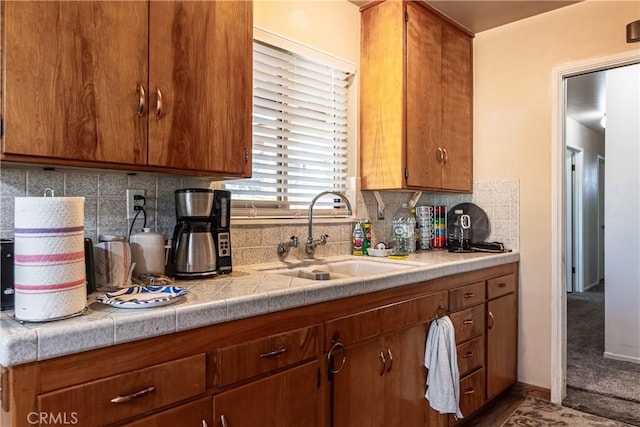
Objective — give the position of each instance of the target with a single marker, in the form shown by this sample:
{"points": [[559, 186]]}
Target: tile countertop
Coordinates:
{"points": [[248, 291]]}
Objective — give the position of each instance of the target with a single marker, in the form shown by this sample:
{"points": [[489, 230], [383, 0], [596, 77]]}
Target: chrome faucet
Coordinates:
{"points": [[311, 244]]}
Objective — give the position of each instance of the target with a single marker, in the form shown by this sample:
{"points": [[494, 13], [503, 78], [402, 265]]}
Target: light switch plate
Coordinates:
{"points": [[131, 212]]}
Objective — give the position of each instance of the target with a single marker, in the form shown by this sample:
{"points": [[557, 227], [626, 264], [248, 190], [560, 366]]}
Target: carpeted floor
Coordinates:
{"points": [[606, 387], [541, 413]]}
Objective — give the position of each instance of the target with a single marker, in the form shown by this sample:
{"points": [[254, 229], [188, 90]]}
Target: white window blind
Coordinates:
{"points": [[300, 144]]}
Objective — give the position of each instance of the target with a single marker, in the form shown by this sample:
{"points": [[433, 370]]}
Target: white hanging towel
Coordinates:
{"points": [[440, 358]]}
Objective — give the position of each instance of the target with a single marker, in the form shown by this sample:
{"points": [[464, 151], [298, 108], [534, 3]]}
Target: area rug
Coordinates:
{"points": [[534, 412], [587, 369]]}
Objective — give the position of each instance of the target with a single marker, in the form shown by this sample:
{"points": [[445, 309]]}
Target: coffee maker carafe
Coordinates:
{"points": [[193, 249]]}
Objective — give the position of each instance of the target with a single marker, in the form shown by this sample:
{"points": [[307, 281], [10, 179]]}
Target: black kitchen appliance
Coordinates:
{"points": [[222, 231], [6, 271]]}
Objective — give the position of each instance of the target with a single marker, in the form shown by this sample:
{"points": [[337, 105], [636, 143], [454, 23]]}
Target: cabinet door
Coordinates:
{"points": [[72, 80], [291, 398], [195, 414], [457, 118], [502, 344], [382, 382], [200, 79], [423, 97]]}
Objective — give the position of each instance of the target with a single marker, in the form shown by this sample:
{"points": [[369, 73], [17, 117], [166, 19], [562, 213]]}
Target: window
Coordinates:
{"points": [[300, 135]]}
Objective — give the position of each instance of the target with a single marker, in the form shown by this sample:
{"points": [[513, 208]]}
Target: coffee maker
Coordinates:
{"points": [[201, 244]]}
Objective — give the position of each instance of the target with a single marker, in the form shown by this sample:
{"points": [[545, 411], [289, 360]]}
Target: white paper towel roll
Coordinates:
{"points": [[50, 276]]}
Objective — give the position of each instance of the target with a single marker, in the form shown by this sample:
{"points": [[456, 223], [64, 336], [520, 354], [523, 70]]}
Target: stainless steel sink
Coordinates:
{"points": [[341, 269]]}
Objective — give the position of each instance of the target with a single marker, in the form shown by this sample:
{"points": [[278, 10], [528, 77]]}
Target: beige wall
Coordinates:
{"points": [[512, 137]]}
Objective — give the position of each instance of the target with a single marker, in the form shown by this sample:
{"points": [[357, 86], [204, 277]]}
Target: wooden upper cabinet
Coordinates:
{"points": [[71, 80], [147, 86], [416, 99], [200, 80]]}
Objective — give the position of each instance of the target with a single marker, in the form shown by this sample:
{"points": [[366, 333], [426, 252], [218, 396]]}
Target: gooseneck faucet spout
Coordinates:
{"points": [[311, 244]]}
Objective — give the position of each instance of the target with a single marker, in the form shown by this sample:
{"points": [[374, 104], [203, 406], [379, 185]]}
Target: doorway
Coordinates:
{"points": [[574, 172], [559, 222]]}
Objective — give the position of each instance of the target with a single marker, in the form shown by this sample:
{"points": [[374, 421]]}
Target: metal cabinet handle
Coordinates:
{"points": [[390, 360], [337, 345], [440, 155], [445, 158], [468, 322], [223, 421], [130, 397], [492, 320], [469, 295], [141, 100], [204, 424], [274, 354], [502, 285], [384, 363], [468, 354], [470, 391], [158, 103]]}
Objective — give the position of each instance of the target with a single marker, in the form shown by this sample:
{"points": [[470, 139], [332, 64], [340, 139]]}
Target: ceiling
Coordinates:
{"points": [[586, 99], [481, 15]]}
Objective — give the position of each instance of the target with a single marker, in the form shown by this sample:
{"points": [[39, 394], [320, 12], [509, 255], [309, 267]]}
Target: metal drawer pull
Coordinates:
{"points": [[492, 320], [158, 103], [470, 391], [337, 345], [130, 397], [390, 360], [469, 294], [468, 322], [446, 156], [502, 285], [141, 97], [274, 354], [440, 155], [204, 424], [223, 421], [468, 354], [384, 363]]}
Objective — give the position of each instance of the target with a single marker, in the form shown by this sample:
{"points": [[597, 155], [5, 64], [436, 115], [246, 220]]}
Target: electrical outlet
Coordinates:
{"points": [[131, 212]]}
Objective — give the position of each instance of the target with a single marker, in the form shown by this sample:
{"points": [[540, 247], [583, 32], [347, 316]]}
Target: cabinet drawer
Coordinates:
{"points": [[194, 414], [501, 285], [253, 358], [125, 395], [470, 355], [378, 321], [468, 323], [472, 395], [466, 296]]}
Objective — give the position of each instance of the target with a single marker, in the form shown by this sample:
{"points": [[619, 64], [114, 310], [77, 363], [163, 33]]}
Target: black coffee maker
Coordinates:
{"points": [[201, 244]]}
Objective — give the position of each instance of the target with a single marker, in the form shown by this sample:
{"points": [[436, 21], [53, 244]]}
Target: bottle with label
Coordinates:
{"points": [[358, 239], [403, 230], [366, 228]]}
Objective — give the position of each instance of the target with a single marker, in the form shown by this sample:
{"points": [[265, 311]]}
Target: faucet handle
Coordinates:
{"points": [[294, 241], [323, 238]]}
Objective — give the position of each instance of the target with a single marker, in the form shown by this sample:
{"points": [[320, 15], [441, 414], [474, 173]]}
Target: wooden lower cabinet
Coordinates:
{"points": [[285, 369], [195, 414], [382, 382], [502, 344], [291, 398]]}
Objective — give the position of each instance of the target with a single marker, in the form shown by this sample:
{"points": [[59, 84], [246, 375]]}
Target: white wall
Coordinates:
{"points": [[513, 103], [592, 145], [622, 215]]}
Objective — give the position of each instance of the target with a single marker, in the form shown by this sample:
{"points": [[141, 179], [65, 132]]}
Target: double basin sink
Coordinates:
{"points": [[341, 269]]}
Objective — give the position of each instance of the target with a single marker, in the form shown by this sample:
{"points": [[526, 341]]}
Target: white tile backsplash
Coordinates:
{"points": [[105, 209]]}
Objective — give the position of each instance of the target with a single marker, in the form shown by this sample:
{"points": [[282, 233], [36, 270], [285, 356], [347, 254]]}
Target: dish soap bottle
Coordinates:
{"points": [[403, 230], [358, 239]]}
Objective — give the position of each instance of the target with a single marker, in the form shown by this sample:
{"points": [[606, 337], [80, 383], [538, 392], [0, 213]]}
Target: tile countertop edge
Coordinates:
{"points": [[19, 344]]}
